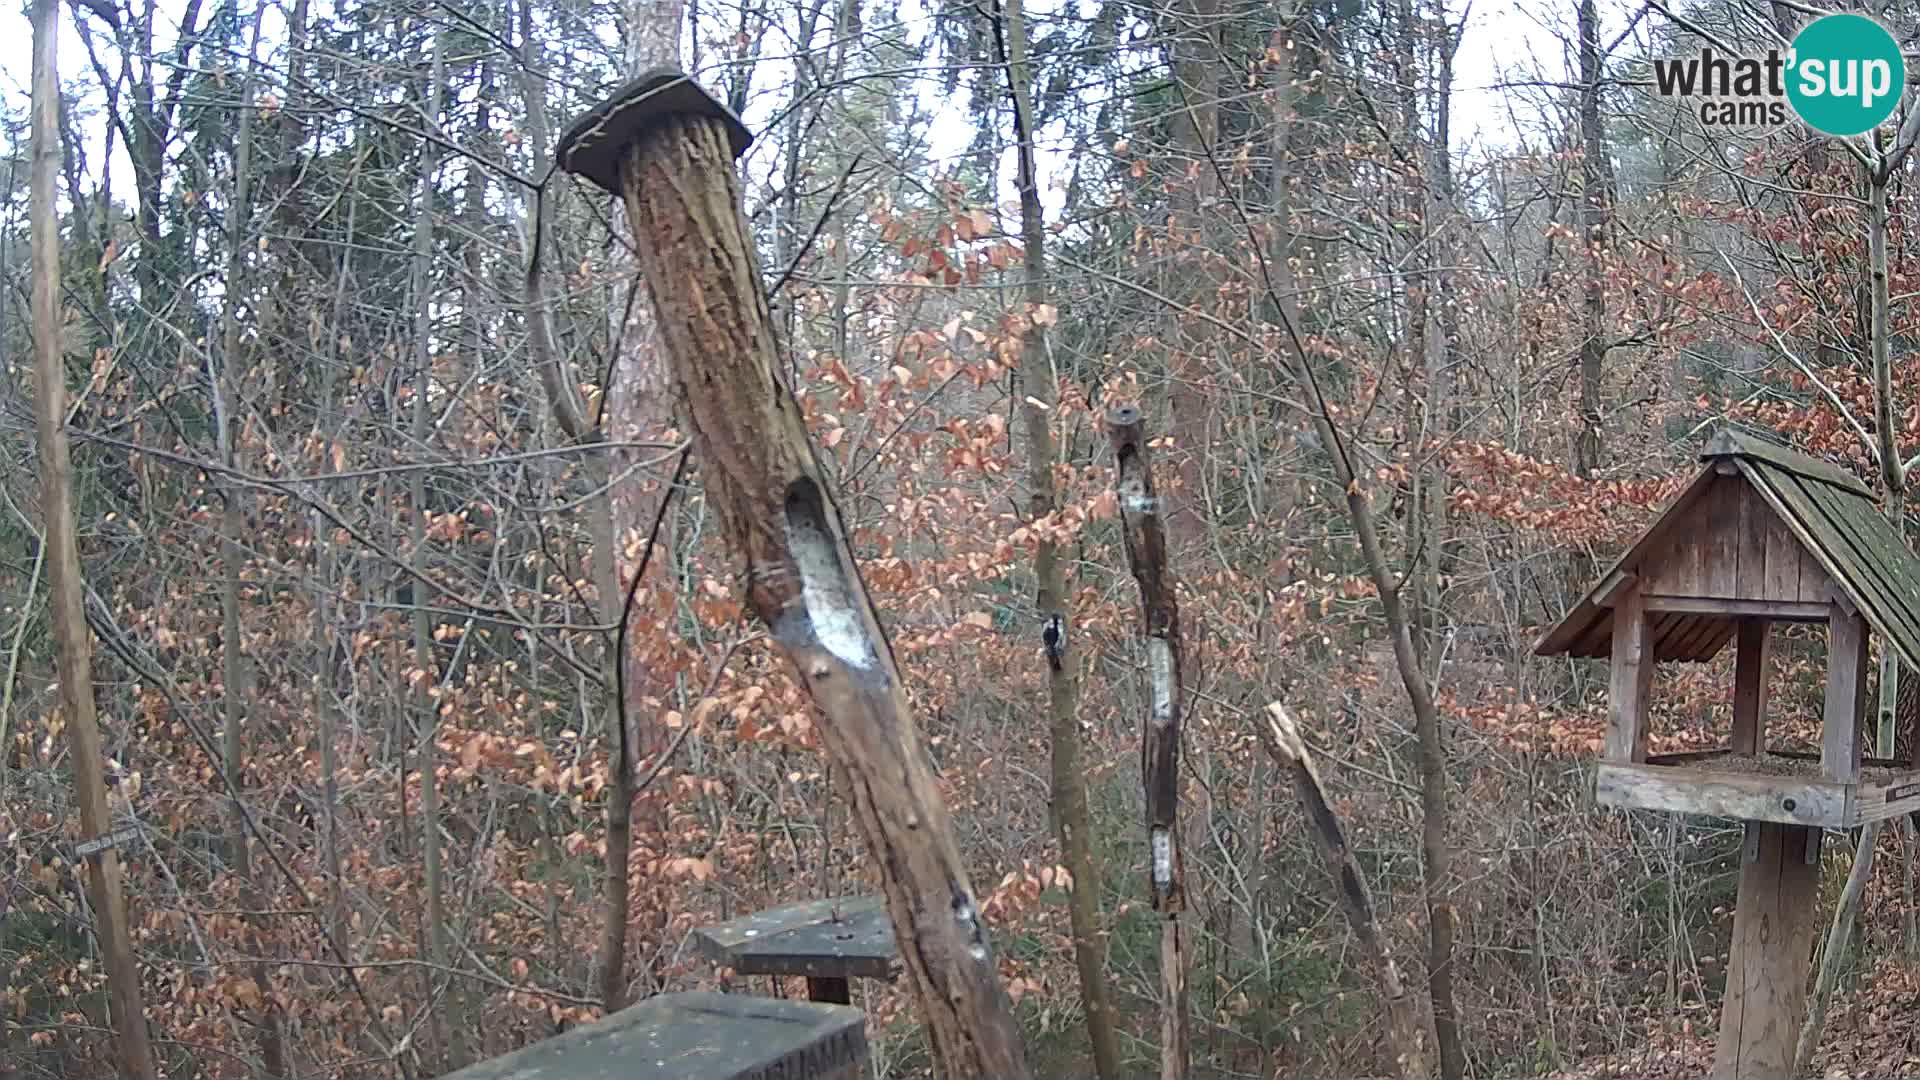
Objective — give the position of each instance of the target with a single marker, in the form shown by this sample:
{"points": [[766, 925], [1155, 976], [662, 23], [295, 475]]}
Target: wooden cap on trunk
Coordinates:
{"points": [[593, 145]]}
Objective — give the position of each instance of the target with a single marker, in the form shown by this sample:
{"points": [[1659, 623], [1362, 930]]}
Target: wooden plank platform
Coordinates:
{"points": [[1720, 792], [808, 939], [697, 1036]]}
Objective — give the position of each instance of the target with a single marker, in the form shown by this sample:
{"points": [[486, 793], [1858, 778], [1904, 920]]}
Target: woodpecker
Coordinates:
{"points": [[1054, 638]]}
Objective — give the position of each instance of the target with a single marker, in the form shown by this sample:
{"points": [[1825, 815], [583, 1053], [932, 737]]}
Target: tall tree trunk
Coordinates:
{"points": [[1038, 389], [236, 677], [1594, 173], [639, 406], [1190, 276], [87, 755], [451, 1029]]}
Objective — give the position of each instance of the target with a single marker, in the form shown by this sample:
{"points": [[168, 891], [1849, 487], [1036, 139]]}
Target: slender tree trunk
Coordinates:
{"points": [[639, 405], [1588, 444], [1038, 386], [1189, 276], [236, 677], [87, 755], [1430, 763], [451, 1028]]}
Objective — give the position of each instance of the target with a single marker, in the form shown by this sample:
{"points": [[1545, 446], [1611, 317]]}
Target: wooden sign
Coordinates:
{"points": [[112, 840]]}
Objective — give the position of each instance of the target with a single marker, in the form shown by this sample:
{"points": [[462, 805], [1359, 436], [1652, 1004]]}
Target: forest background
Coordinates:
{"points": [[363, 487]]}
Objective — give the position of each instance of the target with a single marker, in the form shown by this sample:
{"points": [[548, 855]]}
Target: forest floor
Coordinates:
{"points": [[1870, 1036]]}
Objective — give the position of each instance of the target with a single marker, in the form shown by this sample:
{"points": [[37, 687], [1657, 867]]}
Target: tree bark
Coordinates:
{"points": [[1146, 542], [771, 496], [639, 406], [1281, 736], [447, 1023], [1038, 389], [1587, 447], [66, 588], [237, 688]]}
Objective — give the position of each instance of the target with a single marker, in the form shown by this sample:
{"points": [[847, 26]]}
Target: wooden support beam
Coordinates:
{"points": [[1840, 742], [672, 149], [1776, 610], [1750, 667], [1632, 679], [1614, 587], [1773, 930]]}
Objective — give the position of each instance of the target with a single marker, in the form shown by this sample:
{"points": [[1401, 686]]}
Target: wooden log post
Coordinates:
{"points": [[1751, 663], [1145, 536], [667, 149], [1844, 717], [1773, 930], [1633, 662]]}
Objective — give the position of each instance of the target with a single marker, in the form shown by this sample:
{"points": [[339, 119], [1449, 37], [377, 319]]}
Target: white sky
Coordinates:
{"points": [[1505, 40]]}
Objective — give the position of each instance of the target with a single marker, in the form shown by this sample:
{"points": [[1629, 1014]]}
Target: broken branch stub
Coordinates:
{"points": [[675, 173], [1406, 1033], [1146, 541], [1145, 537]]}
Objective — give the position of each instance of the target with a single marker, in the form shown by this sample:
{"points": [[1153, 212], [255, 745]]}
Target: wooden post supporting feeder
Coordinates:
{"points": [[828, 941], [697, 1036], [1762, 535], [666, 148]]}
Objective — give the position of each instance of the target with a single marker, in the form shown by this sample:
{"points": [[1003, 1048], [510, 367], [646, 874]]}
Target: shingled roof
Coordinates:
{"points": [[1832, 514]]}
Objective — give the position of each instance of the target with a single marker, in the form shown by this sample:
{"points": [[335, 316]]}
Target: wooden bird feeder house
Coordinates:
{"points": [[1762, 535]]}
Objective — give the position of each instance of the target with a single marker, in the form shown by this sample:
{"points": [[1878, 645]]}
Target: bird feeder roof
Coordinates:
{"points": [[1831, 515], [593, 145]]}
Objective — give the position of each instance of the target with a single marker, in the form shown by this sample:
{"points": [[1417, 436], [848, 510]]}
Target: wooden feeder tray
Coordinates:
{"points": [[1779, 786], [828, 941], [697, 1036]]}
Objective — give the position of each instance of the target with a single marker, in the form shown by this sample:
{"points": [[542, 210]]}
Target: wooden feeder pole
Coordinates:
{"points": [[666, 147], [1145, 536]]}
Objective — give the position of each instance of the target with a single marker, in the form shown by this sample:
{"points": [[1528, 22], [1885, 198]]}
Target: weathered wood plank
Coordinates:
{"points": [[697, 1036], [1846, 698], [1717, 793], [1773, 928], [808, 939], [1879, 802], [1751, 541], [1719, 540], [1632, 677], [1875, 572], [1751, 666], [1782, 610], [1729, 443], [1783, 554]]}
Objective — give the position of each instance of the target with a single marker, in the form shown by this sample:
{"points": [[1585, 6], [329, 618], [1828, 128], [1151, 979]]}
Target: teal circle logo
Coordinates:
{"points": [[1846, 75]]}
